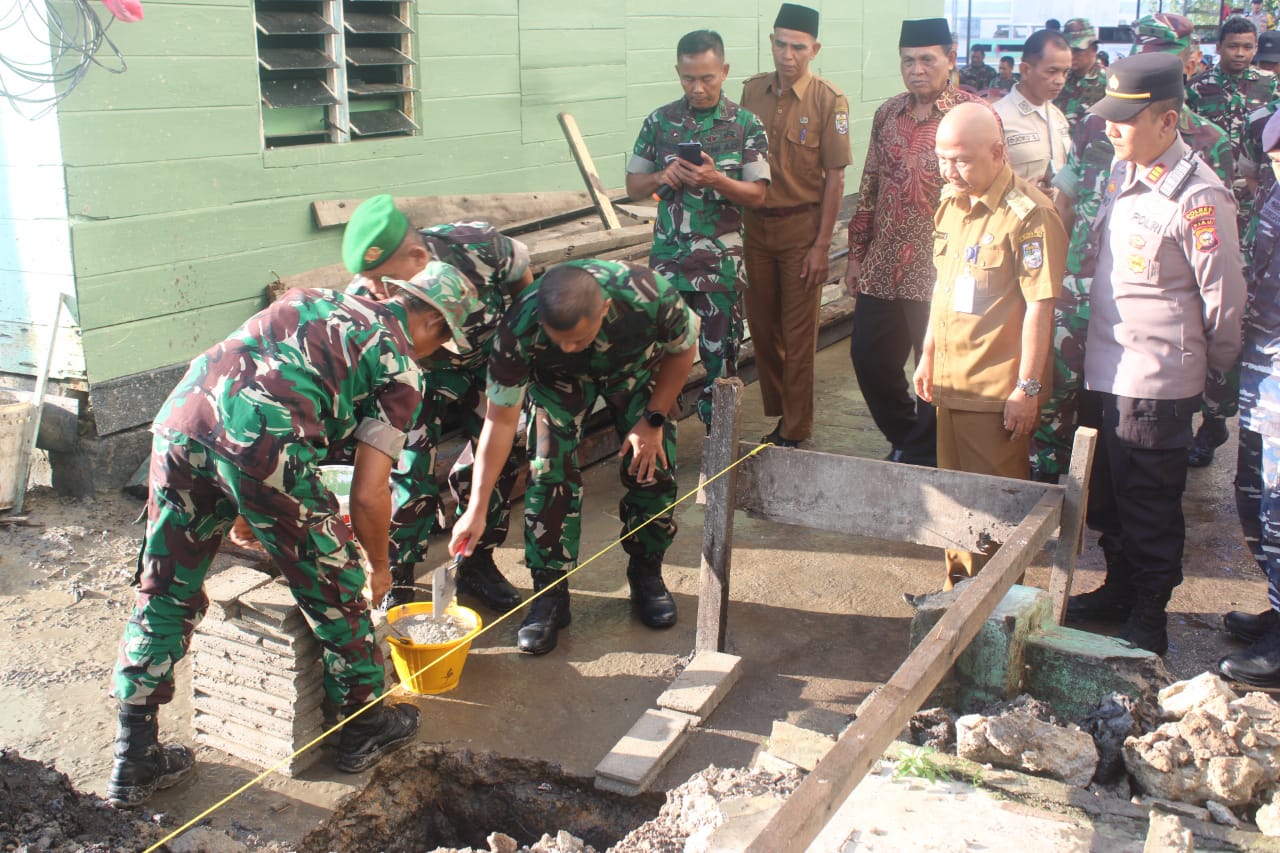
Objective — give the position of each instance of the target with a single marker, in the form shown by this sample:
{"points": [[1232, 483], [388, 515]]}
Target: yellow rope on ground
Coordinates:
{"points": [[338, 726]]}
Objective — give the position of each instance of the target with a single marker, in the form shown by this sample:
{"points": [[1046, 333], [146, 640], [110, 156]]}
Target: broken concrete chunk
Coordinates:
{"points": [[500, 843], [1179, 698], [1223, 815], [1268, 817], [703, 683], [802, 747], [1020, 741], [1166, 834]]}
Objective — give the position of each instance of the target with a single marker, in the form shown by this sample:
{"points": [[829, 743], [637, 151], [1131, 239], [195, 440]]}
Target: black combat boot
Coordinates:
{"points": [[402, 589], [1258, 665], [364, 741], [1211, 435], [649, 596], [1148, 624], [1251, 627], [547, 615], [1111, 602], [142, 766], [478, 575]]}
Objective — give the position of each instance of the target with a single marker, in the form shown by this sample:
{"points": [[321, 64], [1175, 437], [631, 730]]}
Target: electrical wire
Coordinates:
{"points": [[65, 50]]}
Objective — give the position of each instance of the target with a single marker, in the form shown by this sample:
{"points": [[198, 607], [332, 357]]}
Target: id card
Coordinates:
{"points": [[962, 296]]}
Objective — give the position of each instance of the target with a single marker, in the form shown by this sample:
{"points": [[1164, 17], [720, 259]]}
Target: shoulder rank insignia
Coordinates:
{"points": [[1019, 203]]}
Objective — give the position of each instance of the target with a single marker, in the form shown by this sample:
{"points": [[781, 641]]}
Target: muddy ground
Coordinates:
{"points": [[819, 620]]}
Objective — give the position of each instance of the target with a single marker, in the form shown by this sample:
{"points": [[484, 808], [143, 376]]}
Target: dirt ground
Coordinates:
{"points": [[818, 619]]}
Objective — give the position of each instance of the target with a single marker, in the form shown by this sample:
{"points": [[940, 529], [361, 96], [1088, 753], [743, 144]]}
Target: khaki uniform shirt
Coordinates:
{"points": [[994, 254], [1168, 292], [808, 130], [1032, 141]]}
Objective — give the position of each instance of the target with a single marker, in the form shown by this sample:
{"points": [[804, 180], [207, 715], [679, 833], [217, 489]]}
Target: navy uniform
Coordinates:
{"points": [[1166, 304]]}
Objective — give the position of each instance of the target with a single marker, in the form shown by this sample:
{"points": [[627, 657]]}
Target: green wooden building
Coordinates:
{"points": [[163, 199]]}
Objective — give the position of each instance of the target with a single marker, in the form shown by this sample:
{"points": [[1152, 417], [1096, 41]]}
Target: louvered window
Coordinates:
{"points": [[334, 70]]}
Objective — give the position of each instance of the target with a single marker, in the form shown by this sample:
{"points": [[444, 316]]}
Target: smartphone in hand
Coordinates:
{"points": [[690, 152]]}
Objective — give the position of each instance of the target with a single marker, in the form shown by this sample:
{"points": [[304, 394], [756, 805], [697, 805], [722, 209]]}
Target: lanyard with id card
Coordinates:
{"points": [[964, 292]]}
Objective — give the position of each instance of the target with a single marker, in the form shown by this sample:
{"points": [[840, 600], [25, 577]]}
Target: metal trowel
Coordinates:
{"points": [[444, 586]]}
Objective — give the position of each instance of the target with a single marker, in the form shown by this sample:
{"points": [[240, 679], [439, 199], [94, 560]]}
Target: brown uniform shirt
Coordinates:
{"points": [[808, 130], [994, 254]]}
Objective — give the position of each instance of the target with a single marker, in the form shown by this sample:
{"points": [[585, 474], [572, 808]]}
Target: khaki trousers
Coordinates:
{"points": [[783, 316], [978, 443]]}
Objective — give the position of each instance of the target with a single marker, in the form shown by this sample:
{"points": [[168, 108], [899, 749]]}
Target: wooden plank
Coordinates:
{"points": [[906, 503], [806, 811], [129, 401], [582, 156], [1074, 504], [499, 209], [717, 526], [587, 245]]}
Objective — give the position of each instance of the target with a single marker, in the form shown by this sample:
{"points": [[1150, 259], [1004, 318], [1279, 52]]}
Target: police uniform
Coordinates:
{"points": [[995, 254], [808, 130], [1036, 138], [697, 237], [1165, 307]]}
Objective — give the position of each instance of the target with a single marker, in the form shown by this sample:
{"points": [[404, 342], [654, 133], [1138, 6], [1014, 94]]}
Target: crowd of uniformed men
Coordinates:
{"points": [[1075, 253]]}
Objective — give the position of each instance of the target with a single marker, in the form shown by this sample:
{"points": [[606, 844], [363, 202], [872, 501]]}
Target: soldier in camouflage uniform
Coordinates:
{"points": [[243, 433], [1087, 80], [978, 75], [1258, 465], [1081, 183], [697, 238], [379, 243], [587, 331]]}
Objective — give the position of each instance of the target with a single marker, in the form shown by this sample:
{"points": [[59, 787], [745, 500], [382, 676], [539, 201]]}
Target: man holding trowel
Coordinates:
{"points": [[243, 433]]}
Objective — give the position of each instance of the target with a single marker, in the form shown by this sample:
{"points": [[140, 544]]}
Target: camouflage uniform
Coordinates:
{"points": [[1258, 465], [697, 238], [646, 320], [1083, 179], [243, 433], [1081, 92], [495, 264], [978, 77]]}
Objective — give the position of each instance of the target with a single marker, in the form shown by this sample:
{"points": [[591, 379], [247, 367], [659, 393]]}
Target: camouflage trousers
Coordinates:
{"points": [[1059, 414], [1258, 504], [719, 340], [553, 496], [195, 496], [415, 494]]}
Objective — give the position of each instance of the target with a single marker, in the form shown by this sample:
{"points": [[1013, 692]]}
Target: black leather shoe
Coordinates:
{"points": [[547, 615], [1147, 626], [402, 589], [1110, 602], [1251, 627], [1258, 665], [775, 438], [478, 575], [652, 602], [1211, 435]]}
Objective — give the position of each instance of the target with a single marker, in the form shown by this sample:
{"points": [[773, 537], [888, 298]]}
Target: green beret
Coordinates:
{"points": [[375, 231]]}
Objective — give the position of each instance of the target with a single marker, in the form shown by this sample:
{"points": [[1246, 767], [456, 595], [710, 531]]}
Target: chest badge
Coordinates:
{"points": [[1136, 241], [988, 239], [1137, 263]]}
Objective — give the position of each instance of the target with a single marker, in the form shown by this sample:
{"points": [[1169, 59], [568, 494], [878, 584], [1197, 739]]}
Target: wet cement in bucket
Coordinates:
{"points": [[423, 797]]}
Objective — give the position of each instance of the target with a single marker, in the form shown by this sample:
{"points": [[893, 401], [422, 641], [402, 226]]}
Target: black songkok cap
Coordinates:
{"points": [[793, 16], [926, 32], [1135, 82]]}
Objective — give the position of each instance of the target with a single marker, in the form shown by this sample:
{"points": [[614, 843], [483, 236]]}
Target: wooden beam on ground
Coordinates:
{"points": [[587, 244], [500, 209], [719, 452], [800, 819], [1074, 504], [905, 503], [587, 166]]}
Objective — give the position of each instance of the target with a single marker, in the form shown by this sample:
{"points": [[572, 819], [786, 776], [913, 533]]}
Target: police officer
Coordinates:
{"points": [[243, 433], [1165, 307], [1258, 464], [587, 331], [1087, 80], [1036, 133], [697, 237], [379, 243], [788, 240], [1080, 187]]}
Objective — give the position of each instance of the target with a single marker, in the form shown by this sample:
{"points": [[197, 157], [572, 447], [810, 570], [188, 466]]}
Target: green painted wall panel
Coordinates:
{"points": [[469, 7], [170, 29], [658, 32], [593, 118], [450, 117], [168, 83], [558, 86], [465, 35], [546, 48], [137, 136], [468, 76], [556, 14]]}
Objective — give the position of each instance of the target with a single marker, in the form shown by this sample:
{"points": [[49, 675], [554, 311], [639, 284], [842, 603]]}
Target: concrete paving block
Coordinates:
{"points": [[289, 685], [1073, 670], [991, 668], [766, 760], [225, 588], [273, 605], [643, 751], [272, 721], [613, 786], [799, 746], [260, 742], [253, 634], [704, 682], [249, 696], [744, 818], [291, 768], [254, 655]]}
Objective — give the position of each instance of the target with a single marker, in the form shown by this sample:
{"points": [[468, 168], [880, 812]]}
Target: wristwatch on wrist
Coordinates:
{"points": [[654, 419], [1030, 387]]}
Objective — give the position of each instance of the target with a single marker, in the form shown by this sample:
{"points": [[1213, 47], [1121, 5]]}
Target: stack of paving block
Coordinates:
{"points": [[256, 673]]}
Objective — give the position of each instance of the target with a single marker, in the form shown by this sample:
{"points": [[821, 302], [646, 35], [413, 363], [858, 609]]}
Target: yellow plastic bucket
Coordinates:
{"points": [[410, 657]]}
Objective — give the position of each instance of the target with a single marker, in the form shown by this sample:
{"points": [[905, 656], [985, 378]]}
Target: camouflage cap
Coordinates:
{"points": [[1162, 33], [447, 290], [1079, 33], [375, 231]]}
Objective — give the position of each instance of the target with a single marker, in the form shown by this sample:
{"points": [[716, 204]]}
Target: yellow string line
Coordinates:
{"points": [[321, 737]]}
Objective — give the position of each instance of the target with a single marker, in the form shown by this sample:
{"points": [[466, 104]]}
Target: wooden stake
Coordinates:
{"points": [[1074, 505], [719, 452], [587, 166]]}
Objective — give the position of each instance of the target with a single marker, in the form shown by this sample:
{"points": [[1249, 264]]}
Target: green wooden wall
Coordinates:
{"points": [[180, 218]]}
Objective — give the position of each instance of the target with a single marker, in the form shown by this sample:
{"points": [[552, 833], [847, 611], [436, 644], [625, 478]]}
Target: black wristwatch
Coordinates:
{"points": [[654, 419]]}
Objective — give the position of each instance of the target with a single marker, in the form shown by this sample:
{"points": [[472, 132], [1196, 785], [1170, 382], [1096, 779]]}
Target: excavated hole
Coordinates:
{"points": [[424, 797]]}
